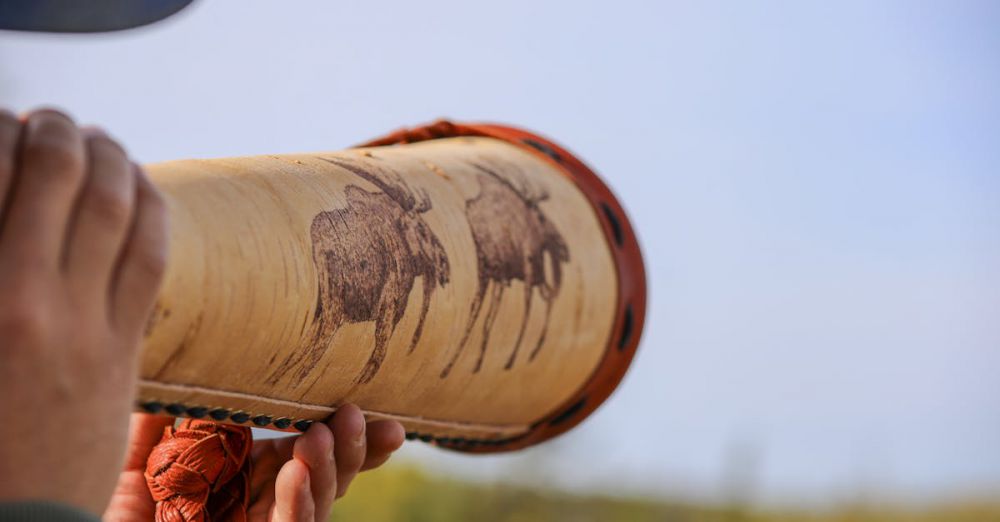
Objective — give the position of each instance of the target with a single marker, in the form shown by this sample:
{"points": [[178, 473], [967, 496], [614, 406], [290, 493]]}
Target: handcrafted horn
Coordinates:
{"points": [[477, 283]]}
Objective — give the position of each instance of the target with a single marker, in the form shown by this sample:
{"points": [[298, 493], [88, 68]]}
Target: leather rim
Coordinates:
{"points": [[631, 308]]}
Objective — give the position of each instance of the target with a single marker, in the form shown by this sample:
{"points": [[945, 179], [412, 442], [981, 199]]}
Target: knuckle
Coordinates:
{"points": [[105, 148], [52, 125], [49, 120], [25, 322], [151, 263], [109, 205], [50, 113], [57, 154]]}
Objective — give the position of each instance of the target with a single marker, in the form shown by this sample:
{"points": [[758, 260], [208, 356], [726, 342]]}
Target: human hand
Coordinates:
{"points": [[83, 240], [294, 479]]}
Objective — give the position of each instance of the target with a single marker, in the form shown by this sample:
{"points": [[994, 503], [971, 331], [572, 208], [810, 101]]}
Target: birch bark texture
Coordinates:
{"points": [[463, 286]]}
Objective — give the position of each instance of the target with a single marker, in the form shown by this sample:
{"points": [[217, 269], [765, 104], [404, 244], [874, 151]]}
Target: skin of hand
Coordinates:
{"points": [[83, 248], [294, 479], [83, 244]]}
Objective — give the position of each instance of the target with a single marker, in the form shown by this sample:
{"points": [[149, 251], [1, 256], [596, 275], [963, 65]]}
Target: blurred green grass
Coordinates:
{"points": [[406, 493]]}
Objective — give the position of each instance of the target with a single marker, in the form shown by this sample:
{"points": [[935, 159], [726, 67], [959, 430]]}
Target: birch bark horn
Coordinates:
{"points": [[477, 283]]}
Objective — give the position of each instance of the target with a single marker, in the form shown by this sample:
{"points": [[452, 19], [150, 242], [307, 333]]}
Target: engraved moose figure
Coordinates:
{"points": [[368, 256], [513, 238]]}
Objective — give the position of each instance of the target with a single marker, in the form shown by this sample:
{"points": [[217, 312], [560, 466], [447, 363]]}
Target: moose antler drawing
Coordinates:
{"points": [[368, 256], [513, 239]]}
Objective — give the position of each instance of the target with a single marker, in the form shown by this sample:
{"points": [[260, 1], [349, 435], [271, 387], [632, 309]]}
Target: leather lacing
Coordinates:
{"points": [[200, 472]]}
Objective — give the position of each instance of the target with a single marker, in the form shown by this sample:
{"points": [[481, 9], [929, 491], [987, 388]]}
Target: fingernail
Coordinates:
{"points": [[306, 485], [33, 117], [359, 435]]}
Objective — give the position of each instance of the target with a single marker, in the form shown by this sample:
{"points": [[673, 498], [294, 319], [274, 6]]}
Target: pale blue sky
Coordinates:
{"points": [[815, 185]]}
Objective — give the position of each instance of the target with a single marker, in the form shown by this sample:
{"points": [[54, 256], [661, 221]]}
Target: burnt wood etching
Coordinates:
{"points": [[513, 238], [368, 256]]}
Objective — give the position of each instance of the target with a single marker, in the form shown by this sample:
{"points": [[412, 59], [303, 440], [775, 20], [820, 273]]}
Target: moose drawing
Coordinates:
{"points": [[368, 256], [513, 238]]}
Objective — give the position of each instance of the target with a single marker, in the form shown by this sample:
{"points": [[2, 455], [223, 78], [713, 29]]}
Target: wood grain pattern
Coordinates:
{"points": [[462, 284]]}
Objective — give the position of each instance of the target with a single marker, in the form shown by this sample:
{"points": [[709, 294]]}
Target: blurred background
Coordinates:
{"points": [[816, 186]]}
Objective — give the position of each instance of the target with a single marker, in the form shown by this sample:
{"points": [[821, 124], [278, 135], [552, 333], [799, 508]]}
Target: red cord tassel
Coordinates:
{"points": [[200, 472]]}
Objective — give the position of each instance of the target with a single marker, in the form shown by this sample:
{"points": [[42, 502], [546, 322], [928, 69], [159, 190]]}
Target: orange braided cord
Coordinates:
{"points": [[200, 472]]}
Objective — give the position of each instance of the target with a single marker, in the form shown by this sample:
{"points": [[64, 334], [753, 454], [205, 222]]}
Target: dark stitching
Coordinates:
{"points": [[240, 417], [543, 148], [626, 328], [616, 226], [568, 412]]}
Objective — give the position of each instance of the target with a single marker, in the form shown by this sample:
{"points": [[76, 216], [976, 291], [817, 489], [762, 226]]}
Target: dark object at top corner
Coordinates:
{"points": [[84, 16]]}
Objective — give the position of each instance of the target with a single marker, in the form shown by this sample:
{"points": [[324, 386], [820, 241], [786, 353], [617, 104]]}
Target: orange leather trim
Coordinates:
{"points": [[631, 307]]}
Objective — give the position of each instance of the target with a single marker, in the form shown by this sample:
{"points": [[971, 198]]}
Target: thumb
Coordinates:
{"points": [[293, 497], [145, 431]]}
